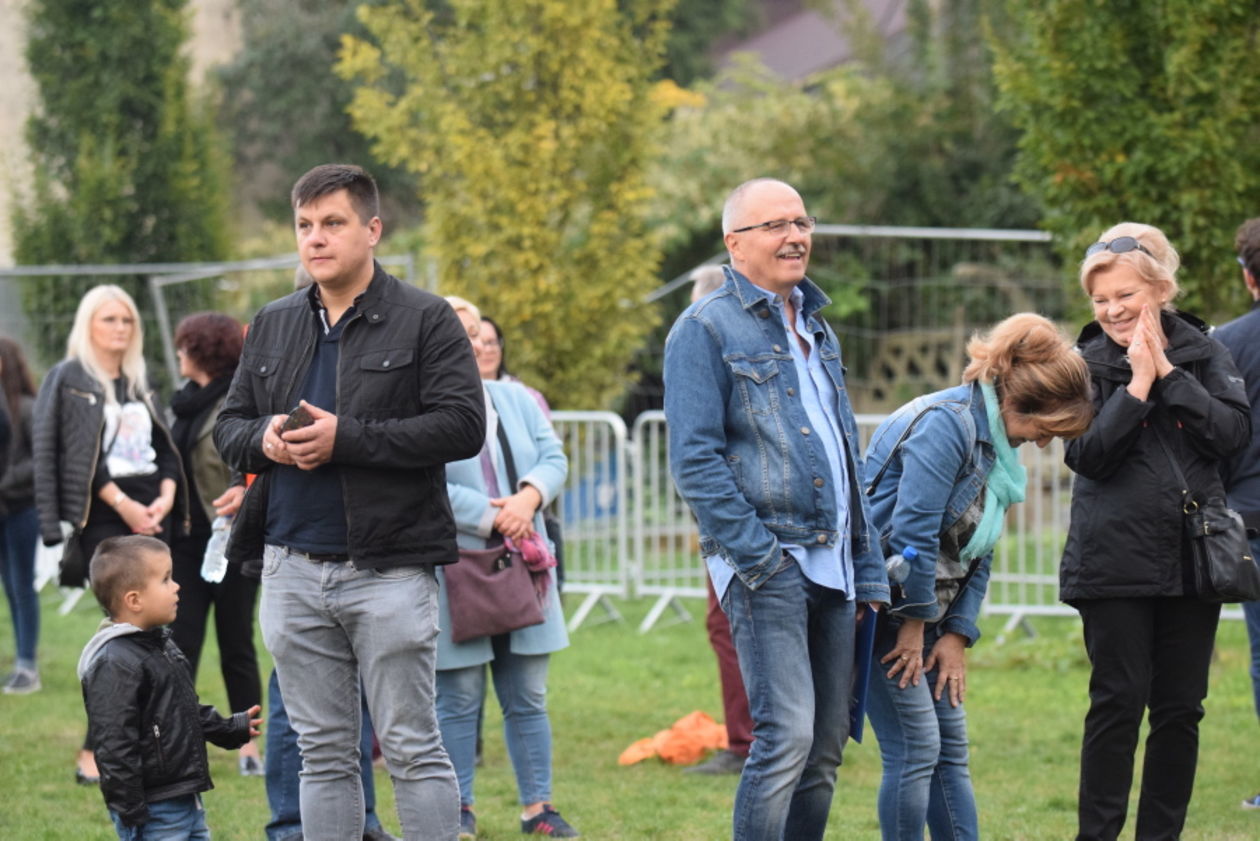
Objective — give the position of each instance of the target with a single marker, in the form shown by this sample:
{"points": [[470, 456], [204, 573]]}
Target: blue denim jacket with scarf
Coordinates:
{"points": [[943, 460], [741, 450]]}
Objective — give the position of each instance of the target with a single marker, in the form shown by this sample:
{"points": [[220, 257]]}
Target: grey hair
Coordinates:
{"points": [[736, 199], [705, 279]]}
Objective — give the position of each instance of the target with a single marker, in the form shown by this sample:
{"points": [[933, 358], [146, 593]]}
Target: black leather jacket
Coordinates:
{"points": [[1125, 537], [147, 726], [69, 417], [409, 400]]}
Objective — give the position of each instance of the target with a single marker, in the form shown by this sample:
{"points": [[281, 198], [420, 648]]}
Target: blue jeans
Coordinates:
{"points": [[327, 625], [18, 533], [923, 746], [795, 641], [176, 819], [283, 763], [520, 683], [1251, 612]]}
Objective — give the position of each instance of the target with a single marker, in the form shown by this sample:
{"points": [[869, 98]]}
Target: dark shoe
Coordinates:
{"points": [[548, 822], [378, 833], [467, 824], [722, 762], [250, 766], [84, 780], [22, 682], [1252, 802]]}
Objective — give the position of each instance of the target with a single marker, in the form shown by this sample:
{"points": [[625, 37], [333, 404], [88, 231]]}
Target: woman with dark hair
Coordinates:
{"points": [[19, 522], [209, 346], [492, 361], [104, 459]]}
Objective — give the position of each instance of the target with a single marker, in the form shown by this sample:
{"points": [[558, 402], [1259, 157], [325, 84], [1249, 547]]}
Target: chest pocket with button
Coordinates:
{"points": [[757, 381], [387, 385]]}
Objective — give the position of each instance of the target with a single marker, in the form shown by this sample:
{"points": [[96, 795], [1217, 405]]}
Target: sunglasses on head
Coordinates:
{"points": [[1119, 245]]}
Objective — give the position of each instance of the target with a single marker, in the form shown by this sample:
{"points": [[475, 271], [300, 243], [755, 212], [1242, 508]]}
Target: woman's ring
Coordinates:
{"points": [[905, 657]]}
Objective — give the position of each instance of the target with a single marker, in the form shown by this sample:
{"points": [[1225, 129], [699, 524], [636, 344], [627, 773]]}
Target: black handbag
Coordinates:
{"points": [[1224, 569], [72, 571], [491, 591]]}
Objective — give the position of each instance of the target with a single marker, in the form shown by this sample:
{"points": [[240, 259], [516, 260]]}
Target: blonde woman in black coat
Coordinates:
{"points": [[1162, 389]]}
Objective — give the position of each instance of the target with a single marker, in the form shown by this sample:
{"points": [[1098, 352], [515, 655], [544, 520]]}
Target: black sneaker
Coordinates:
{"points": [[548, 822], [22, 682], [467, 824], [1252, 803], [722, 762]]}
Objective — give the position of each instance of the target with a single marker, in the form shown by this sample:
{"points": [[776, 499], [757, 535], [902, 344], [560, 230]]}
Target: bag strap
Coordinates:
{"points": [[1188, 503], [508, 461], [905, 433]]}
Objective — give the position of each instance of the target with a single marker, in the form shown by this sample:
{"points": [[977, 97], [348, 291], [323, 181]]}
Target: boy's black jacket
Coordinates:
{"points": [[146, 724]]}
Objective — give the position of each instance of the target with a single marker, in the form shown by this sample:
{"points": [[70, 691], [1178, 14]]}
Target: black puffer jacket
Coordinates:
{"points": [[1125, 538], [69, 419], [409, 400], [145, 721]]}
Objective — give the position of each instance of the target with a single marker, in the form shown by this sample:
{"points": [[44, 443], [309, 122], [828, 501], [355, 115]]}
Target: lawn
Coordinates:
{"points": [[1027, 698]]}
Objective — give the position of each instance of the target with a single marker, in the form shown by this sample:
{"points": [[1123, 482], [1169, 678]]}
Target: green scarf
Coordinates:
{"points": [[1005, 485]]}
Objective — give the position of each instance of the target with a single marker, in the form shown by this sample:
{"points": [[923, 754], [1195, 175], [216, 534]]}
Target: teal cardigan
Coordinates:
{"points": [[540, 461]]}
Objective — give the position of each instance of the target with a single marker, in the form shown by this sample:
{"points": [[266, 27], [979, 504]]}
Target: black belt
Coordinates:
{"points": [[320, 557]]}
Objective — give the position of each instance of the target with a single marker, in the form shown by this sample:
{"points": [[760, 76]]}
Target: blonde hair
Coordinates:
{"points": [[705, 279], [1037, 373], [463, 305], [79, 343], [1158, 268]]}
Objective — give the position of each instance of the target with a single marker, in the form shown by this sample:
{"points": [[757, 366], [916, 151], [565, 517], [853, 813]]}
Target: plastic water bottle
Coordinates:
{"points": [[214, 564], [898, 566]]}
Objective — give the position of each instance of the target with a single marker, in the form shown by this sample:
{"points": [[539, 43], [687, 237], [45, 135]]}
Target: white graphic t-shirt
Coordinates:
{"points": [[130, 429]]}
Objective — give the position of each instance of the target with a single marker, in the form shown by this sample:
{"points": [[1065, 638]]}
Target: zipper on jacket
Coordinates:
{"points": [[157, 744], [181, 489], [341, 475], [87, 501]]}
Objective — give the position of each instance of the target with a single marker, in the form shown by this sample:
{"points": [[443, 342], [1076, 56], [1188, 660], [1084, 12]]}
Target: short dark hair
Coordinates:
{"points": [[118, 566], [212, 340], [329, 178], [1247, 243]]}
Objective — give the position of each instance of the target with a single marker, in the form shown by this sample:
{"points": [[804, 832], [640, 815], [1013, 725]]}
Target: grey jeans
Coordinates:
{"points": [[327, 624]]}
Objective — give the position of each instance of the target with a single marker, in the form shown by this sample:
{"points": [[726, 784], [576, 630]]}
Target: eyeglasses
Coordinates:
{"points": [[804, 224], [1119, 245]]}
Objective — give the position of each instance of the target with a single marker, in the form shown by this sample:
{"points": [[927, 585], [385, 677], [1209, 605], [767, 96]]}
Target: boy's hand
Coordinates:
{"points": [[254, 723]]}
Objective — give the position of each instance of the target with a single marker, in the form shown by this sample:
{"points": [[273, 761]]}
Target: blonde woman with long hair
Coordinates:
{"points": [[104, 459]]}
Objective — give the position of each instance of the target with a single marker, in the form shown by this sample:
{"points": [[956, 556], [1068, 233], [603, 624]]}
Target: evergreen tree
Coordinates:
{"points": [[125, 169], [1141, 111]]}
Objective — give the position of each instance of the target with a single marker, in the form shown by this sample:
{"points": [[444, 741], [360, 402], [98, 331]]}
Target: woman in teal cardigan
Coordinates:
{"points": [[518, 660]]}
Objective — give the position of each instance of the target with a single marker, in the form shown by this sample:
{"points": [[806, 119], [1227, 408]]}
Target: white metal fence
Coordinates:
{"points": [[637, 538]]}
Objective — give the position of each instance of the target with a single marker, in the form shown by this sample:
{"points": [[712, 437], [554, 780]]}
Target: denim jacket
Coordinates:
{"points": [[741, 450], [936, 471]]}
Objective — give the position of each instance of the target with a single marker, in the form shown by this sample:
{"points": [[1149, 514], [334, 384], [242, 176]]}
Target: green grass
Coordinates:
{"points": [[1026, 702]]}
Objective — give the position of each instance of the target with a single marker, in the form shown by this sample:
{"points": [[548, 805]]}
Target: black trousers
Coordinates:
{"points": [[1146, 654], [233, 599]]}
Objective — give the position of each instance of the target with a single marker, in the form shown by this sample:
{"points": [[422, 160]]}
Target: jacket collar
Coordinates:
{"points": [[1187, 342], [370, 302], [750, 295]]}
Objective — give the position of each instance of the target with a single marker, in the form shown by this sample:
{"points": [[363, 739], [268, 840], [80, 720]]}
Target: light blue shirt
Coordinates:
{"points": [[827, 566]]}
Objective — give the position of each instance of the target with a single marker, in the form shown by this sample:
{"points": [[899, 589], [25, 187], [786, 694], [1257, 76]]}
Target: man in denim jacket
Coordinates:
{"points": [[763, 447]]}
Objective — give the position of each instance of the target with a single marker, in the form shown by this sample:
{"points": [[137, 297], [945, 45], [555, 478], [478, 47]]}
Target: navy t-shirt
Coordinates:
{"points": [[305, 508]]}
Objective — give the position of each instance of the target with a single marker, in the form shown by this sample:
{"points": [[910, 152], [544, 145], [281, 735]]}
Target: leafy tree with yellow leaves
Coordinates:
{"points": [[529, 125]]}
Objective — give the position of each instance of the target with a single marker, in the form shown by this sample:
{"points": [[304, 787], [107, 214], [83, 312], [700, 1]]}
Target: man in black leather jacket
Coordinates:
{"points": [[349, 511]]}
